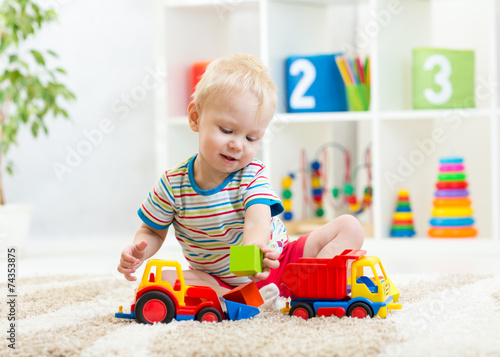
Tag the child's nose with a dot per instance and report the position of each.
(236, 144)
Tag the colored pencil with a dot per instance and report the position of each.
(360, 69)
(350, 70)
(342, 70)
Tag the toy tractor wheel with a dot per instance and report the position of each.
(302, 310)
(359, 310)
(209, 314)
(154, 307)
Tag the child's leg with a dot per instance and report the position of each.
(195, 277)
(344, 232)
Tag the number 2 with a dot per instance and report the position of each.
(441, 78)
(298, 99)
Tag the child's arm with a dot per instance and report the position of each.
(256, 231)
(146, 243)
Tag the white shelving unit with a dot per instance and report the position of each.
(401, 138)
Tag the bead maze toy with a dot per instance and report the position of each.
(315, 194)
(402, 219)
(452, 213)
(158, 301)
(322, 287)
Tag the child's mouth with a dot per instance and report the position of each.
(228, 158)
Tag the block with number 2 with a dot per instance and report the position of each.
(314, 84)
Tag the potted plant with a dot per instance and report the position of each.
(30, 93)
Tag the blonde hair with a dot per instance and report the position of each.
(232, 76)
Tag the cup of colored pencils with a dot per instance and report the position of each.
(356, 78)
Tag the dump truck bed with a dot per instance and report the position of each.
(314, 278)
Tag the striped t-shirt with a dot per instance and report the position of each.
(208, 222)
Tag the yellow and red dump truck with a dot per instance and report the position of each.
(321, 287)
(156, 300)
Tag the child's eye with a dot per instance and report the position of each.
(251, 139)
(225, 131)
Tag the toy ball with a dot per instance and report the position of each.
(287, 182)
(348, 189)
(315, 183)
(288, 216)
(352, 200)
(335, 192)
(315, 165)
(287, 194)
(320, 212)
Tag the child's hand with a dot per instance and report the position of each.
(270, 262)
(131, 259)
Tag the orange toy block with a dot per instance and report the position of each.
(245, 294)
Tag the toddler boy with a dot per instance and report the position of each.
(221, 196)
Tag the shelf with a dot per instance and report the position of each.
(217, 4)
(228, 4)
(399, 137)
(321, 117)
(434, 114)
(432, 246)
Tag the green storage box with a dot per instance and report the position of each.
(443, 78)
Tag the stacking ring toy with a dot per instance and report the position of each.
(453, 202)
(451, 222)
(403, 216)
(452, 176)
(452, 168)
(451, 185)
(401, 234)
(467, 232)
(452, 193)
(451, 160)
(400, 222)
(452, 212)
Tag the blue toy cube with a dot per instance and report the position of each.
(314, 84)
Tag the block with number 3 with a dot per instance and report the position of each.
(443, 78)
(314, 84)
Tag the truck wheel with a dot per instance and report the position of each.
(209, 314)
(302, 310)
(154, 307)
(359, 310)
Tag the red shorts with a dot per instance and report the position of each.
(290, 254)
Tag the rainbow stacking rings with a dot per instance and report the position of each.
(452, 213)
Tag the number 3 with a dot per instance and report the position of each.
(441, 78)
(298, 100)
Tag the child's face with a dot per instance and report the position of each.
(229, 134)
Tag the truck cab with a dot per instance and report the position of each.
(369, 281)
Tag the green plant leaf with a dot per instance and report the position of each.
(10, 167)
(52, 53)
(34, 128)
(38, 57)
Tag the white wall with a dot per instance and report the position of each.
(107, 49)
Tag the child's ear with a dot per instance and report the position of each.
(193, 116)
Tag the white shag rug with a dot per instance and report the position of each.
(442, 315)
